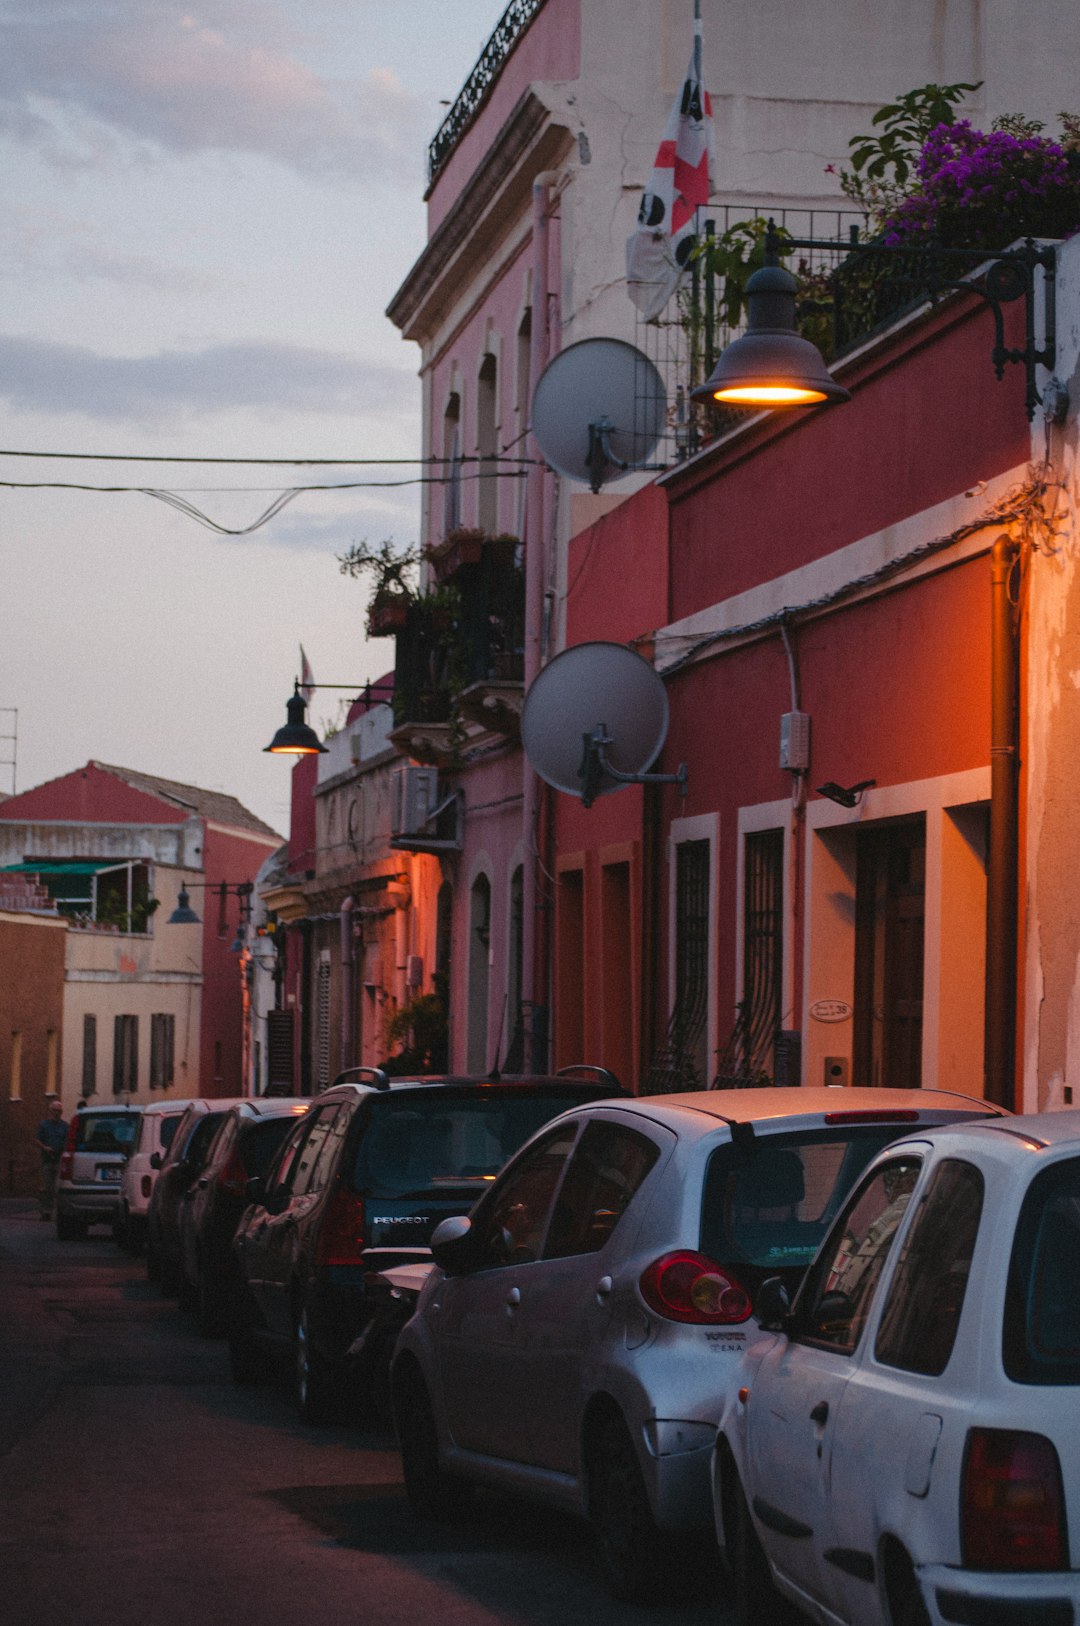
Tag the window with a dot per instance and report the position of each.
(681, 1061)
(1042, 1300)
(89, 1055)
(162, 1049)
(322, 1024)
(281, 1174)
(606, 1170)
(487, 416)
(311, 1169)
(452, 456)
(922, 1311)
(510, 1226)
(125, 1055)
(839, 1289)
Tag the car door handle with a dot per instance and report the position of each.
(820, 1412)
(603, 1287)
(513, 1298)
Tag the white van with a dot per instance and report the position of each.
(99, 1141)
(155, 1133)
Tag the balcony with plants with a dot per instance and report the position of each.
(459, 637)
(930, 200)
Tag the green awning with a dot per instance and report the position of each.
(74, 866)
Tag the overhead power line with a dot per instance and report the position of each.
(276, 462)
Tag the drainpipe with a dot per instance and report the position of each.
(1001, 880)
(348, 982)
(534, 967)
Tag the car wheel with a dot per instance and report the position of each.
(635, 1556)
(432, 1492)
(314, 1378)
(756, 1600)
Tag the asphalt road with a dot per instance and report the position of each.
(138, 1487)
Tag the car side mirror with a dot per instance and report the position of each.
(155, 1160)
(452, 1244)
(773, 1306)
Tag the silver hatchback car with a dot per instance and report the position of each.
(577, 1337)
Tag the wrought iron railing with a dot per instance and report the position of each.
(478, 636)
(508, 30)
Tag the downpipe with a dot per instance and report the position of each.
(1001, 879)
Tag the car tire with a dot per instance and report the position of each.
(314, 1377)
(432, 1492)
(754, 1596)
(637, 1558)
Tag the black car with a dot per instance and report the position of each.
(359, 1186)
(177, 1172)
(209, 1211)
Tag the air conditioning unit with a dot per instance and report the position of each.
(414, 797)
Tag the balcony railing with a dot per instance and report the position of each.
(508, 30)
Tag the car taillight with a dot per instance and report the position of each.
(341, 1238)
(234, 1176)
(1012, 1509)
(687, 1286)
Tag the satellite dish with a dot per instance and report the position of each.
(598, 410)
(595, 719)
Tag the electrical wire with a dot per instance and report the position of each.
(278, 462)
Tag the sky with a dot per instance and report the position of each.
(207, 209)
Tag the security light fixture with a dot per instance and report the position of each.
(771, 365)
(844, 795)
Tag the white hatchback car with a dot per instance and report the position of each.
(905, 1449)
(154, 1134)
(576, 1342)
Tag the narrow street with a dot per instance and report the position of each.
(139, 1487)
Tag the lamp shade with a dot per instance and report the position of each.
(771, 365)
(183, 914)
(294, 737)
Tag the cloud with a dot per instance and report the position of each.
(46, 245)
(225, 77)
(40, 375)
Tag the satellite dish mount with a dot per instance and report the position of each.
(595, 764)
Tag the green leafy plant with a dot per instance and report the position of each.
(884, 161)
(421, 1027)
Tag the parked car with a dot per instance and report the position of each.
(157, 1124)
(358, 1186)
(243, 1148)
(903, 1449)
(582, 1326)
(177, 1171)
(99, 1140)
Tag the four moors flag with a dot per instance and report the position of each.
(658, 250)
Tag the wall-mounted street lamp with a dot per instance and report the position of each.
(295, 737)
(771, 365)
(184, 914)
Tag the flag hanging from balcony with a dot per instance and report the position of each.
(658, 249)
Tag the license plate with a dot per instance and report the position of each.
(109, 1173)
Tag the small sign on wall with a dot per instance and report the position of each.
(830, 1010)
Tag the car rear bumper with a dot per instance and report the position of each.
(680, 1484)
(967, 1598)
(88, 1202)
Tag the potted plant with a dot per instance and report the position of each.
(393, 582)
(464, 545)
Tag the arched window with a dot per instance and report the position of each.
(479, 973)
(487, 445)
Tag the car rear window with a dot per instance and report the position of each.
(768, 1203)
(106, 1132)
(168, 1129)
(423, 1140)
(1041, 1342)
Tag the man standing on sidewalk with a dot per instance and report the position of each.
(51, 1135)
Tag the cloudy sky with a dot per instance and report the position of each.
(207, 208)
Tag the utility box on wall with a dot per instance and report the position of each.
(414, 797)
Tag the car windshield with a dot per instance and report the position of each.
(768, 1203)
(168, 1129)
(1042, 1301)
(419, 1140)
(105, 1132)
